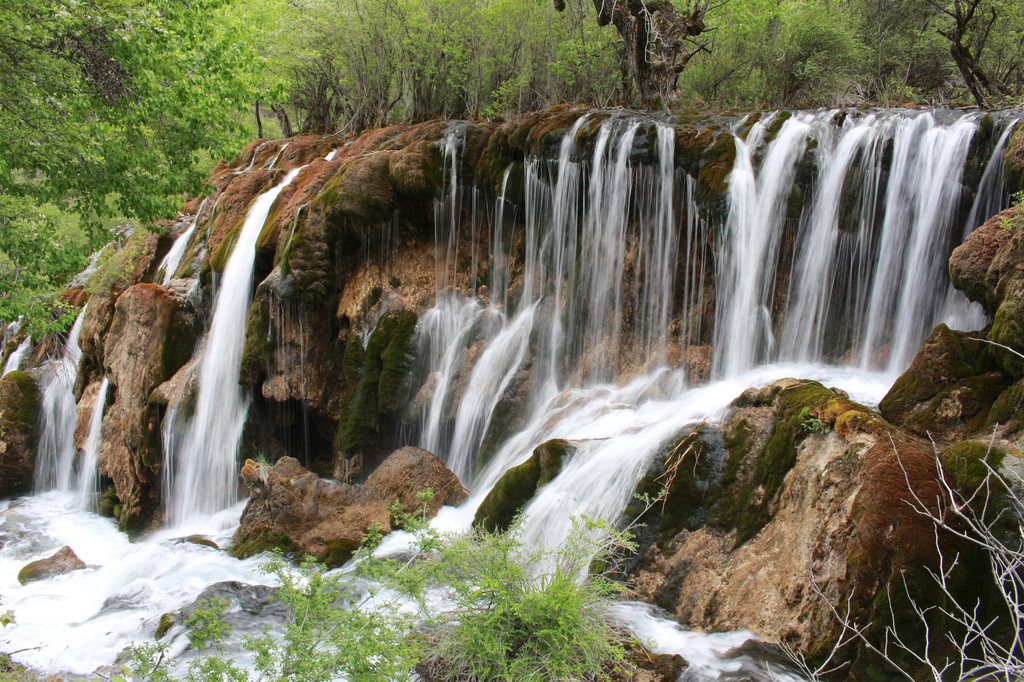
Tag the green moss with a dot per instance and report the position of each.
(108, 502)
(257, 341)
(1008, 330)
(263, 540)
(338, 552)
(960, 358)
(753, 475)
(965, 464)
(1008, 409)
(219, 258)
(377, 392)
(166, 621)
(718, 163)
(1013, 161)
(518, 486)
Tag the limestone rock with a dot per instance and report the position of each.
(19, 407)
(814, 488)
(411, 470)
(64, 561)
(153, 333)
(294, 510)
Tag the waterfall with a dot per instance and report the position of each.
(202, 466)
(19, 353)
(169, 265)
(607, 296)
(55, 458)
(830, 250)
(87, 483)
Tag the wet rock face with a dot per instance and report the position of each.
(410, 471)
(64, 561)
(291, 509)
(19, 408)
(1013, 161)
(815, 488)
(153, 333)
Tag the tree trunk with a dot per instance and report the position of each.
(655, 35)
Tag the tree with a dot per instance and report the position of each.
(969, 26)
(660, 39)
(108, 105)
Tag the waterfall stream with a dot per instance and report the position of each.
(203, 476)
(620, 306)
(14, 360)
(56, 456)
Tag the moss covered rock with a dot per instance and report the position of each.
(377, 377)
(64, 561)
(1013, 161)
(519, 484)
(153, 333)
(19, 409)
(949, 388)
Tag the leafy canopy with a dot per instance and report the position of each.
(107, 107)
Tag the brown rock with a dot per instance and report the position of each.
(971, 262)
(947, 391)
(64, 561)
(153, 333)
(409, 471)
(840, 517)
(294, 510)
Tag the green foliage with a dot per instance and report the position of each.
(118, 97)
(109, 108)
(512, 613)
(39, 252)
(515, 613)
(116, 265)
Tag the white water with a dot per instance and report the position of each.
(55, 458)
(169, 265)
(87, 484)
(14, 360)
(202, 468)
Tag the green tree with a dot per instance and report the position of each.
(107, 107)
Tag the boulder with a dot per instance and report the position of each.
(64, 561)
(410, 471)
(153, 333)
(19, 407)
(293, 510)
(518, 485)
(814, 500)
(989, 268)
(949, 388)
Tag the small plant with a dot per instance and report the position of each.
(811, 423)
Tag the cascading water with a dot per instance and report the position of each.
(802, 276)
(87, 482)
(169, 265)
(55, 459)
(14, 360)
(202, 466)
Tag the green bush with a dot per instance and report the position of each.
(511, 614)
